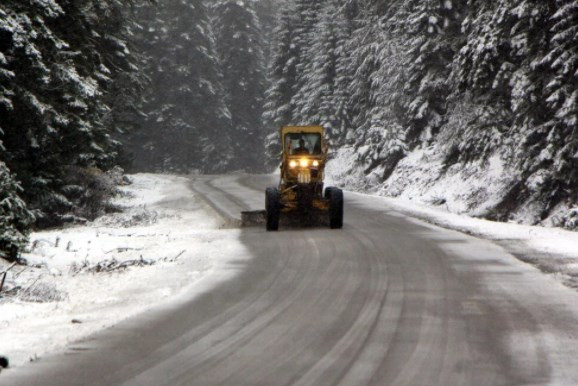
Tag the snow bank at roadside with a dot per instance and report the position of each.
(553, 250)
(473, 189)
(479, 188)
(86, 278)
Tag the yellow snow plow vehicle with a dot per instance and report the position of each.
(300, 192)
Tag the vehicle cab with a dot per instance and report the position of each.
(304, 153)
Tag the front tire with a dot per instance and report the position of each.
(335, 197)
(272, 208)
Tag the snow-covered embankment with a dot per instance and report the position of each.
(75, 283)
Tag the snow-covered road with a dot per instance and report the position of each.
(386, 300)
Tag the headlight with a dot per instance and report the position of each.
(292, 164)
(315, 163)
(304, 162)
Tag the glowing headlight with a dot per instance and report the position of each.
(315, 163)
(292, 164)
(303, 162)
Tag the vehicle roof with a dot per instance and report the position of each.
(300, 129)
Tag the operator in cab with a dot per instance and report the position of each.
(301, 150)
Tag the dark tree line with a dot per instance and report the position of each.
(470, 79)
(203, 107)
(67, 78)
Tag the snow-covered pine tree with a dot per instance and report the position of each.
(241, 61)
(432, 27)
(14, 216)
(267, 12)
(558, 92)
(562, 61)
(345, 15)
(25, 74)
(43, 123)
(81, 76)
(504, 65)
(379, 56)
(282, 80)
(323, 97)
(363, 48)
(114, 24)
(480, 73)
(58, 61)
(307, 13)
(317, 70)
(188, 125)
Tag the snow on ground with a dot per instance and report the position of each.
(421, 176)
(448, 201)
(170, 241)
(75, 283)
(471, 189)
(474, 188)
(339, 171)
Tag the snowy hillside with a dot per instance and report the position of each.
(474, 189)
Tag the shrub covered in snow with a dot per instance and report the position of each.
(14, 216)
(571, 219)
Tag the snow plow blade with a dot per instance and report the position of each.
(253, 218)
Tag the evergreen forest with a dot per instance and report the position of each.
(469, 104)
(411, 92)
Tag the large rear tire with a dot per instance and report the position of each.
(335, 197)
(272, 208)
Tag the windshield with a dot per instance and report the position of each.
(303, 143)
